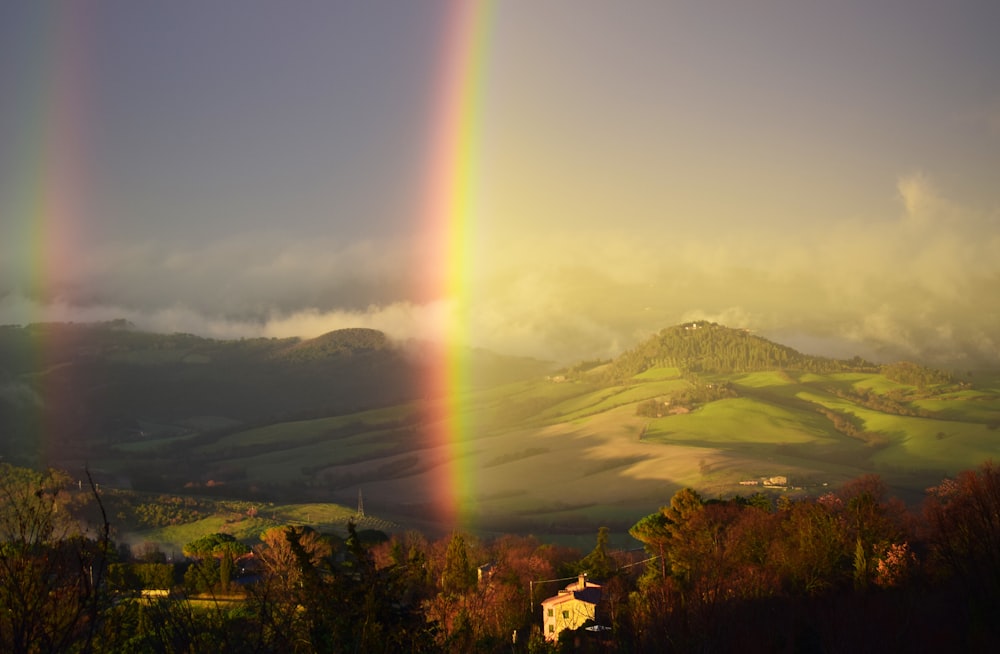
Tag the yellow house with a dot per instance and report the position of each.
(573, 606)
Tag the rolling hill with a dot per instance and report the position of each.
(71, 392)
(546, 452)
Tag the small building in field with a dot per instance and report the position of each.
(570, 608)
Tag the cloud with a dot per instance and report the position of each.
(918, 284)
(919, 198)
(401, 321)
(243, 277)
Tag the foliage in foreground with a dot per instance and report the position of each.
(853, 569)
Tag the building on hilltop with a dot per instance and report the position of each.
(570, 608)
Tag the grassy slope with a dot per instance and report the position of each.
(325, 517)
(548, 457)
(740, 420)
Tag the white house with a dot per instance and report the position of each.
(570, 608)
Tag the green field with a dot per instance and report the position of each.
(740, 421)
(556, 456)
(324, 517)
(291, 433)
(658, 374)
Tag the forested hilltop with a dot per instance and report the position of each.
(707, 347)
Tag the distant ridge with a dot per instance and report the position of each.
(100, 386)
(704, 346)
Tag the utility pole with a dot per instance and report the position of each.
(361, 505)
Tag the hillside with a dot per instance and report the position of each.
(69, 392)
(696, 405)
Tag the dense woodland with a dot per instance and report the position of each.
(851, 570)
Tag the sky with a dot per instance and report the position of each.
(826, 174)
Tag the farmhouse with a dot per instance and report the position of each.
(570, 608)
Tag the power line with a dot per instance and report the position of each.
(531, 586)
(531, 583)
(652, 558)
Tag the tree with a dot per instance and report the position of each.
(813, 548)
(287, 553)
(137, 576)
(874, 522)
(226, 565)
(598, 563)
(214, 560)
(748, 545)
(652, 531)
(458, 575)
(214, 546)
(683, 505)
(295, 601)
(963, 529)
(202, 576)
(50, 572)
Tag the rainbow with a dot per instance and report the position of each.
(450, 217)
(49, 190)
(51, 113)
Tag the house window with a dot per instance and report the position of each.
(550, 613)
(552, 628)
(566, 614)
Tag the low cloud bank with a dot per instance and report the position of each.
(923, 284)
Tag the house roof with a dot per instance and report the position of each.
(582, 583)
(590, 595)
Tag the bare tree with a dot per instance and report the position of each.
(50, 569)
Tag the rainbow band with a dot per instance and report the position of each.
(48, 195)
(52, 107)
(451, 218)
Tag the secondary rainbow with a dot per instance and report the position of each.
(450, 219)
(48, 192)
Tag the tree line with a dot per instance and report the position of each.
(912, 374)
(851, 569)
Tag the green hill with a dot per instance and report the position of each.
(699, 405)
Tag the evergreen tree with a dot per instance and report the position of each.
(598, 563)
(458, 575)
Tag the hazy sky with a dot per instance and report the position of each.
(826, 173)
